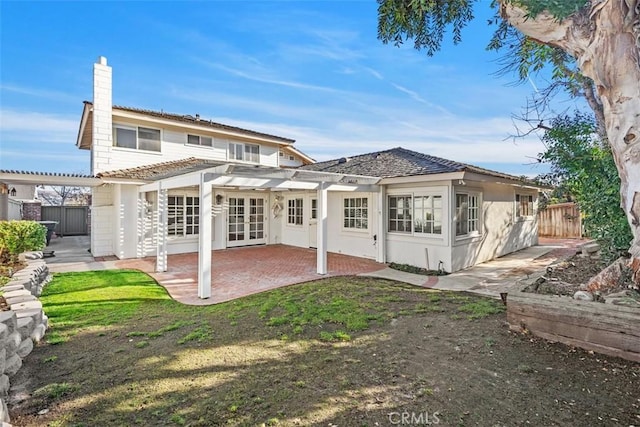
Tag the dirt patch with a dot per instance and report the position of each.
(572, 275)
(435, 356)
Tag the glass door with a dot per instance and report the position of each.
(246, 221)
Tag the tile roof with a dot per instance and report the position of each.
(399, 162)
(58, 174)
(199, 122)
(162, 170)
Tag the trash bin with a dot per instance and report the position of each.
(51, 225)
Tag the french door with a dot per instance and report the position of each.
(246, 221)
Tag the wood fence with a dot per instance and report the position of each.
(562, 220)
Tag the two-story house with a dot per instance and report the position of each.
(178, 183)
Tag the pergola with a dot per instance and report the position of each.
(250, 177)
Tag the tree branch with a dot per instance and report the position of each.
(570, 34)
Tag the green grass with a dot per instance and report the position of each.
(97, 298)
(55, 390)
(481, 308)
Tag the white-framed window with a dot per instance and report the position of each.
(292, 158)
(415, 214)
(427, 214)
(203, 141)
(137, 138)
(314, 208)
(467, 214)
(183, 215)
(244, 152)
(356, 213)
(294, 212)
(400, 213)
(524, 206)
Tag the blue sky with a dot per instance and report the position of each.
(313, 71)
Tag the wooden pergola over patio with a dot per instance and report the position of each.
(258, 178)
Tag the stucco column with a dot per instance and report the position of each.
(321, 250)
(204, 238)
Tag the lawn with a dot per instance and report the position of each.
(341, 351)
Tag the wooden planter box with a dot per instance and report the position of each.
(603, 328)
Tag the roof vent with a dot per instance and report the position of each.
(343, 160)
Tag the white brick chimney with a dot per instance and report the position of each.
(102, 132)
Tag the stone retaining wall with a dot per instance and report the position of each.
(24, 324)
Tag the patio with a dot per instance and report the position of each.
(244, 271)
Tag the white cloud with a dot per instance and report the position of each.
(37, 92)
(24, 126)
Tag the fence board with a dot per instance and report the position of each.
(562, 220)
(72, 220)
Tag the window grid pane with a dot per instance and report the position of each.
(148, 139)
(125, 138)
(462, 214)
(294, 212)
(400, 214)
(356, 213)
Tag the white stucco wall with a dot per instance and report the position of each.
(358, 243)
(102, 221)
(173, 146)
(426, 251)
(502, 232)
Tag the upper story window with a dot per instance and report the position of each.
(204, 141)
(417, 214)
(137, 138)
(356, 213)
(467, 214)
(244, 152)
(524, 206)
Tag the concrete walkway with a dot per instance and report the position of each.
(71, 253)
(492, 277)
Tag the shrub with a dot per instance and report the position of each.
(20, 236)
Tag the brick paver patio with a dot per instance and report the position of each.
(248, 270)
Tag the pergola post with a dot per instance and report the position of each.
(204, 238)
(142, 225)
(321, 250)
(161, 248)
(381, 241)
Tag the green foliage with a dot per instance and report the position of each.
(559, 9)
(427, 21)
(423, 21)
(583, 165)
(416, 270)
(21, 236)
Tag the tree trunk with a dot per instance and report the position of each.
(605, 40)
